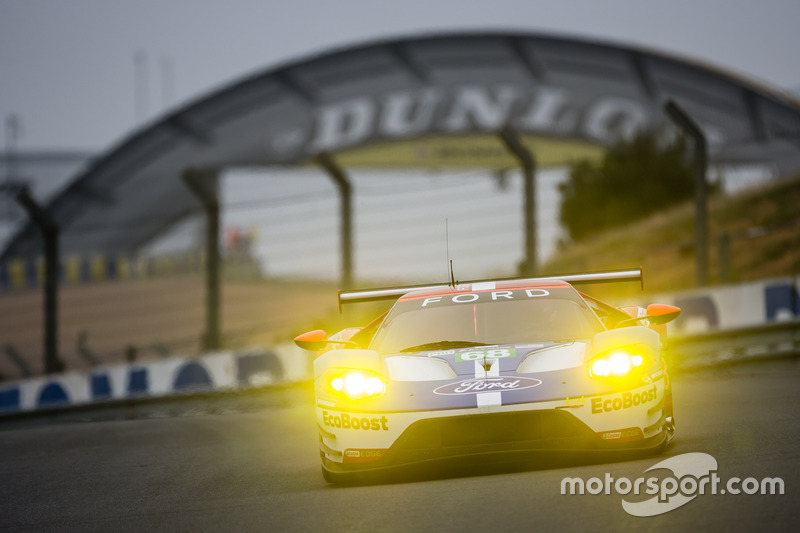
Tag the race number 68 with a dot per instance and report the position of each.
(496, 353)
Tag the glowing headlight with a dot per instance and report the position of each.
(615, 364)
(358, 384)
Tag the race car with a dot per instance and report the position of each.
(490, 367)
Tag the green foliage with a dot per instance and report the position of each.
(636, 178)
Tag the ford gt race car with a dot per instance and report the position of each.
(490, 367)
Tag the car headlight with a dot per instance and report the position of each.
(620, 363)
(356, 384)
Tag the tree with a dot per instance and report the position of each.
(635, 178)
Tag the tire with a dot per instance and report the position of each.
(339, 478)
(669, 429)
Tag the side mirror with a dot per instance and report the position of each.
(656, 314)
(317, 340)
(313, 340)
(659, 314)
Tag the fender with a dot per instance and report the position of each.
(363, 359)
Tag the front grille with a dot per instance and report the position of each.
(537, 429)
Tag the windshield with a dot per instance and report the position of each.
(488, 318)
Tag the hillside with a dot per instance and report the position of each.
(761, 225)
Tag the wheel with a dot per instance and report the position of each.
(669, 430)
(339, 478)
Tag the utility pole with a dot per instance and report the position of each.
(13, 130)
(141, 85)
(167, 82)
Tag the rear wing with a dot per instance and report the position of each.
(390, 293)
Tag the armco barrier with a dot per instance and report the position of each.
(717, 325)
(728, 307)
(764, 342)
(174, 375)
(288, 364)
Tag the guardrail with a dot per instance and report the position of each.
(165, 378)
(288, 364)
(770, 341)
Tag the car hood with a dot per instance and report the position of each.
(525, 358)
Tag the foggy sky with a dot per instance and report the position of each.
(67, 67)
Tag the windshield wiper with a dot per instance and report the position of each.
(442, 345)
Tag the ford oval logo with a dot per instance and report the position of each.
(477, 386)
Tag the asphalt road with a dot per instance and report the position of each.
(252, 464)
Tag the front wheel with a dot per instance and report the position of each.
(669, 430)
(341, 478)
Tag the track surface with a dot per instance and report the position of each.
(253, 465)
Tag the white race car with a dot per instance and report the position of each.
(482, 368)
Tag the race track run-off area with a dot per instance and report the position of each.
(251, 463)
